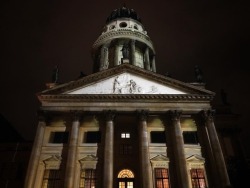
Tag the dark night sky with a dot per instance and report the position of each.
(37, 35)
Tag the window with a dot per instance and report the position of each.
(52, 179)
(93, 137)
(190, 137)
(198, 178)
(125, 135)
(125, 149)
(126, 179)
(161, 178)
(158, 137)
(123, 24)
(88, 178)
(59, 137)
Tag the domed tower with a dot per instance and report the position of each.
(123, 40)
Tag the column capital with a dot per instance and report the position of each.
(174, 114)
(75, 115)
(42, 115)
(132, 41)
(109, 115)
(208, 114)
(142, 114)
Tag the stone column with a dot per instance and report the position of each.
(40, 174)
(108, 151)
(116, 57)
(216, 149)
(132, 46)
(146, 55)
(146, 171)
(178, 150)
(72, 148)
(206, 149)
(35, 154)
(104, 58)
(153, 63)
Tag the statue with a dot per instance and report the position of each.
(55, 75)
(125, 51)
(198, 74)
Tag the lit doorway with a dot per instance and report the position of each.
(126, 179)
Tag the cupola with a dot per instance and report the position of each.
(123, 40)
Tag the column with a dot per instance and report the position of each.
(146, 171)
(132, 46)
(104, 58)
(178, 150)
(153, 63)
(35, 154)
(216, 149)
(108, 151)
(72, 148)
(116, 58)
(146, 55)
(206, 150)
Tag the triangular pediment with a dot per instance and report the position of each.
(126, 83)
(126, 79)
(195, 159)
(159, 158)
(89, 158)
(53, 158)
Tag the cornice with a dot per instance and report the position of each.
(127, 97)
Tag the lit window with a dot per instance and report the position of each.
(125, 135)
(125, 178)
(88, 178)
(52, 179)
(161, 178)
(198, 178)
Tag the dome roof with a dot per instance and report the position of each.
(123, 12)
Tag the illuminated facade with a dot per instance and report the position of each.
(125, 126)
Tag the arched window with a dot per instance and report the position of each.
(126, 173)
(126, 178)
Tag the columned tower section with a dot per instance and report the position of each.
(123, 40)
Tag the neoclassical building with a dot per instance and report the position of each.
(125, 126)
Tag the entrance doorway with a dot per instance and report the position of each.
(125, 179)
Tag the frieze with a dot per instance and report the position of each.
(125, 85)
(112, 34)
